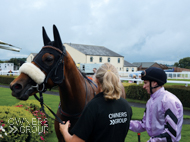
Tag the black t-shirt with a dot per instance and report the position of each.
(104, 120)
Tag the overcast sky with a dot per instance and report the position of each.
(139, 30)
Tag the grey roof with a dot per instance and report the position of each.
(94, 50)
(144, 64)
(127, 64)
(34, 54)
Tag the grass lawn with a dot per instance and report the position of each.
(53, 101)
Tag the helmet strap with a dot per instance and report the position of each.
(152, 87)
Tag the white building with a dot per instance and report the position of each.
(85, 54)
(30, 57)
(6, 66)
(93, 54)
(128, 67)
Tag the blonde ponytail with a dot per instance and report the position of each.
(108, 77)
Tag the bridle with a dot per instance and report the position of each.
(58, 54)
(50, 71)
(53, 72)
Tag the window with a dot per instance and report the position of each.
(127, 69)
(108, 60)
(132, 69)
(100, 59)
(118, 60)
(91, 59)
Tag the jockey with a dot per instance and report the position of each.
(163, 116)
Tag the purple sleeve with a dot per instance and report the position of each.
(138, 126)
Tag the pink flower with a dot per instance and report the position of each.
(43, 122)
(1, 120)
(19, 106)
(36, 111)
(42, 138)
(3, 125)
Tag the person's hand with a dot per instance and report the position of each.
(64, 127)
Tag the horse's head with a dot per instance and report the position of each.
(45, 71)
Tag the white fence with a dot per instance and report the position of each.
(128, 76)
(15, 73)
(178, 75)
(139, 81)
(170, 75)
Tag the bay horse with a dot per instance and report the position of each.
(53, 66)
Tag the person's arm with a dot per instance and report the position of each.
(173, 120)
(138, 126)
(68, 137)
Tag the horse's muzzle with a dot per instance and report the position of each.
(20, 92)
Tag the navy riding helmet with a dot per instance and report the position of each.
(154, 74)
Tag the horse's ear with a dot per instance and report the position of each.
(57, 39)
(45, 36)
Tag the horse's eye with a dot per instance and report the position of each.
(49, 59)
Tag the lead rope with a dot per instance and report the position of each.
(42, 107)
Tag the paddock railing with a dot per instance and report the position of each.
(127, 76)
(14, 72)
(170, 75)
(139, 81)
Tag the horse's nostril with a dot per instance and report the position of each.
(16, 87)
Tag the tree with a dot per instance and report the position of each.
(17, 61)
(183, 63)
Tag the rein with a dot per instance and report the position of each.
(42, 108)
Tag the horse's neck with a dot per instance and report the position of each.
(73, 89)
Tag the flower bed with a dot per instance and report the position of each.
(24, 122)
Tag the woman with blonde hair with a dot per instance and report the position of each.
(107, 116)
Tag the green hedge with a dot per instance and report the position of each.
(6, 79)
(182, 92)
(32, 124)
(137, 92)
(16, 125)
